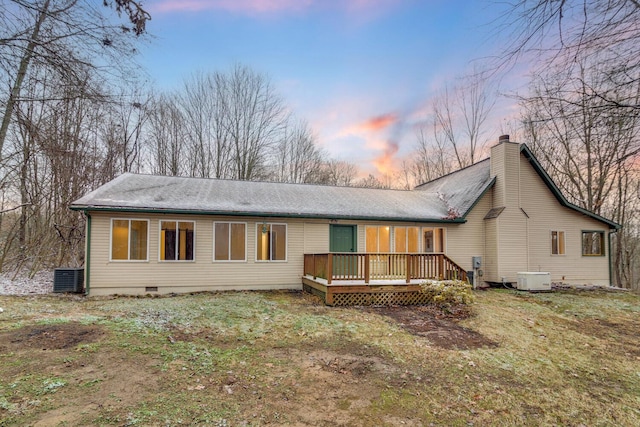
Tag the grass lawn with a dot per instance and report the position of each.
(282, 358)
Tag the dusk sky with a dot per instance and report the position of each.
(361, 72)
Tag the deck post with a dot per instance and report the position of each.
(408, 267)
(329, 268)
(328, 296)
(441, 266)
(367, 268)
(314, 266)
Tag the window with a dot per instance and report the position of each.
(378, 239)
(129, 239)
(593, 243)
(557, 243)
(433, 240)
(381, 239)
(229, 241)
(406, 239)
(176, 240)
(271, 242)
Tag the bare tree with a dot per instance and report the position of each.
(203, 102)
(123, 132)
(339, 172)
(582, 115)
(256, 117)
(53, 162)
(297, 156)
(459, 115)
(606, 33)
(590, 150)
(231, 124)
(430, 158)
(165, 137)
(372, 182)
(583, 144)
(59, 35)
(453, 137)
(57, 62)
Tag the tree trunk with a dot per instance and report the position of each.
(22, 71)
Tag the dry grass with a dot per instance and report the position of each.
(566, 358)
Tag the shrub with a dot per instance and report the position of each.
(447, 292)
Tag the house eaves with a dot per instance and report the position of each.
(96, 208)
(177, 195)
(556, 191)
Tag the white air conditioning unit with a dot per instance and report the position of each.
(534, 281)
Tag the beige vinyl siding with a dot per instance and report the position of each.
(316, 237)
(303, 236)
(505, 167)
(512, 175)
(508, 243)
(512, 244)
(362, 236)
(519, 239)
(467, 240)
(132, 277)
(546, 215)
(497, 169)
(490, 260)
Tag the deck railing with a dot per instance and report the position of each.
(381, 266)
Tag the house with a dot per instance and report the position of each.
(171, 234)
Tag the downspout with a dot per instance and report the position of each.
(87, 260)
(612, 231)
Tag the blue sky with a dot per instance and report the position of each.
(361, 72)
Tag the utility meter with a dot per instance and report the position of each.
(476, 261)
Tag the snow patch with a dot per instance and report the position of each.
(40, 283)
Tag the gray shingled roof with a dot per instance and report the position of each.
(149, 193)
(461, 189)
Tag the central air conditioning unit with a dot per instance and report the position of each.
(68, 280)
(534, 281)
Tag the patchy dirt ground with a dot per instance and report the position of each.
(286, 385)
(438, 326)
(45, 358)
(50, 337)
(271, 359)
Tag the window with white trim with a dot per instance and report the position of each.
(129, 239)
(271, 242)
(177, 240)
(229, 241)
(557, 242)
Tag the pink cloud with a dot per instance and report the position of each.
(378, 123)
(386, 162)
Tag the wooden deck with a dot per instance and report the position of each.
(379, 292)
(343, 279)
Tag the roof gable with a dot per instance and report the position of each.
(524, 150)
(462, 189)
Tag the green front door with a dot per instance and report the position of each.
(342, 238)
